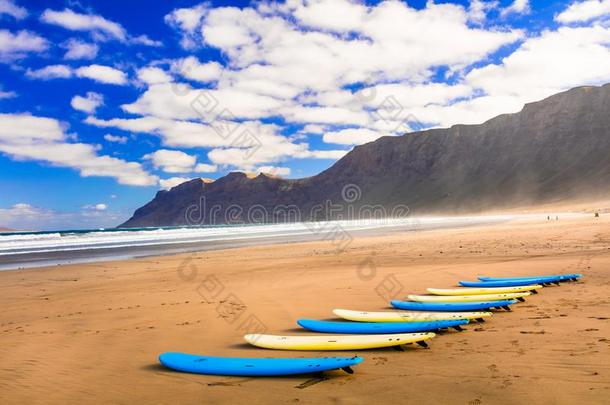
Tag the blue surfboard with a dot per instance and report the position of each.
(561, 277)
(515, 283)
(191, 363)
(451, 306)
(378, 327)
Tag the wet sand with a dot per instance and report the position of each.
(91, 333)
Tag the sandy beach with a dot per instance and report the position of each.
(92, 333)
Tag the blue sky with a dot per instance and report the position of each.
(103, 103)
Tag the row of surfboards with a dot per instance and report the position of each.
(414, 322)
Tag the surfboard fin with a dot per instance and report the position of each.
(480, 320)
(506, 307)
(520, 299)
(534, 291)
(399, 348)
(423, 344)
(348, 370)
(458, 328)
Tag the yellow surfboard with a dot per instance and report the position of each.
(339, 342)
(482, 291)
(467, 298)
(404, 316)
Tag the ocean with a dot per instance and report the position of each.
(36, 249)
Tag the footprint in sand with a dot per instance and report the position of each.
(506, 384)
(475, 401)
(493, 368)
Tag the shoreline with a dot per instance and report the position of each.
(340, 234)
(93, 332)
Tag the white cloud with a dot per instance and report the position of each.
(352, 136)
(84, 22)
(314, 129)
(517, 7)
(96, 207)
(190, 68)
(324, 154)
(295, 60)
(7, 94)
(333, 15)
(144, 40)
(286, 59)
(27, 217)
(325, 115)
(172, 161)
(80, 50)
(233, 150)
(274, 170)
(101, 28)
(98, 73)
(10, 8)
(25, 128)
(188, 22)
(89, 103)
(153, 75)
(584, 11)
(205, 168)
(166, 184)
(169, 101)
(22, 216)
(50, 72)
(116, 139)
(27, 137)
(19, 45)
(478, 9)
(102, 74)
(550, 63)
(394, 46)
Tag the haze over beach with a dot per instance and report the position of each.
(305, 201)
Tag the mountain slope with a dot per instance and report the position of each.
(554, 149)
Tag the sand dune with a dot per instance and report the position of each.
(91, 333)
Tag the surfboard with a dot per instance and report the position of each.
(451, 306)
(402, 316)
(561, 277)
(487, 284)
(192, 363)
(467, 298)
(378, 327)
(337, 342)
(483, 290)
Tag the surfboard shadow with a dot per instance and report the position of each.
(154, 367)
